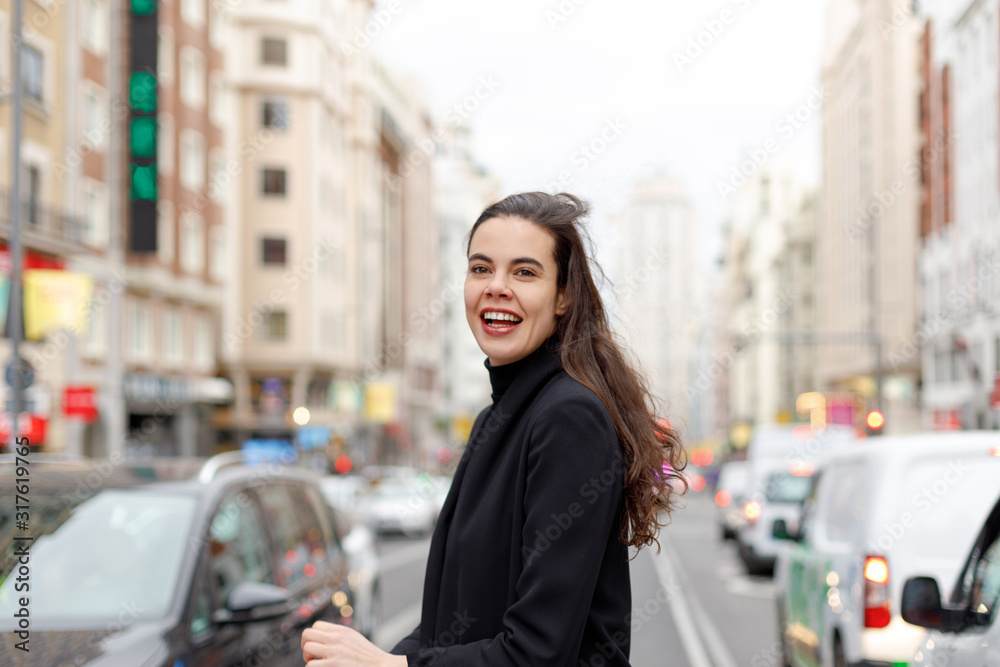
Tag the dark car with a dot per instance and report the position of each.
(168, 563)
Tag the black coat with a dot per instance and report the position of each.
(525, 566)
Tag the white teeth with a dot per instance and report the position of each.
(490, 315)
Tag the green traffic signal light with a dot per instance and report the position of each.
(143, 137)
(143, 7)
(144, 182)
(142, 92)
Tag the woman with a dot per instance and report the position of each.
(528, 565)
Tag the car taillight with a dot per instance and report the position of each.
(876, 592)
(751, 510)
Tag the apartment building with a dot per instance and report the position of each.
(958, 335)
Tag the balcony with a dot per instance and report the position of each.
(46, 229)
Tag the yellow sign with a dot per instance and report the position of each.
(55, 300)
(380, 402)
(461, 427)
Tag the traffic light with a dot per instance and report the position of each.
(874, 421)
(142, 100)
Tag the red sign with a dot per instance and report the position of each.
(995, 395)
(80, 402)
(29, 426)
(947, 420)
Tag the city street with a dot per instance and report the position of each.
(693, 605)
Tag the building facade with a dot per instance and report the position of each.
(959, 329)
(658, 302)
(462, 190)
(869, 206)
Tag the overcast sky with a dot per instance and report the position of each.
(623, 74)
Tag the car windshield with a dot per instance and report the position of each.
(783, 487)
(113, 555)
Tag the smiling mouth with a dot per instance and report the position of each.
(501, 320)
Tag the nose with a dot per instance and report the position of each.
(498, 286)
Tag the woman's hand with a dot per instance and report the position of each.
(329, 645)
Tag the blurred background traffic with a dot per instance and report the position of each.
(236, 248)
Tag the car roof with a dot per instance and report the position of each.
(174, 474)
(923, 445)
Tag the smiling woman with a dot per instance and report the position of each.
(566, 469)
(511, 296)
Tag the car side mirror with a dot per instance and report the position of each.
(780, 531)
(251, 601)
(921, 605)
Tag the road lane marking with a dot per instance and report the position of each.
(391, 631)
(680, 610)
(713, 638)
(412, 553)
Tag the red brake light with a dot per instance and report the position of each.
(877, 611)
(723, 498)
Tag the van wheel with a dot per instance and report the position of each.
(838, 653)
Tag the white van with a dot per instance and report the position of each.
(880, 511)
(965, 632)
(780, 463)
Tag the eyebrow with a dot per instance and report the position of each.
(519, 260)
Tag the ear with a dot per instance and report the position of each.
(561, 302)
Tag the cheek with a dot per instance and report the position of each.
(471, 298)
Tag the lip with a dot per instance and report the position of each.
(498, 331)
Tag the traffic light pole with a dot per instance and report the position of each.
(14, 309)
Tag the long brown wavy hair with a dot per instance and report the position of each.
(590, 354)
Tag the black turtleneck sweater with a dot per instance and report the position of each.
(525, 566)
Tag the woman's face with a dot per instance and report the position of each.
(511, 297)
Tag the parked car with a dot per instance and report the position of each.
(170, 562)
(730, 495)
(402, 505)
(348, 492)
(364, 574)
(880, 512)
(780, 459)
(783, 489)
(965, 632)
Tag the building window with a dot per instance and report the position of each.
(140, 347)
(276, 114)
(32, 69)
(193, 12)
(165, 143)
(94, 131)
(203, 348)
(217, 246)
(217, 100)
(275, 182)
(165, 55)
(95, 340)
(218, 182)
(173, 338)
(192, 77)
(273, 251)
(95, 211)
(275, 325)
(216, 26)
(192, 162)
(274, 51)
(192, 243)
(95, 36)
(165, 238)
